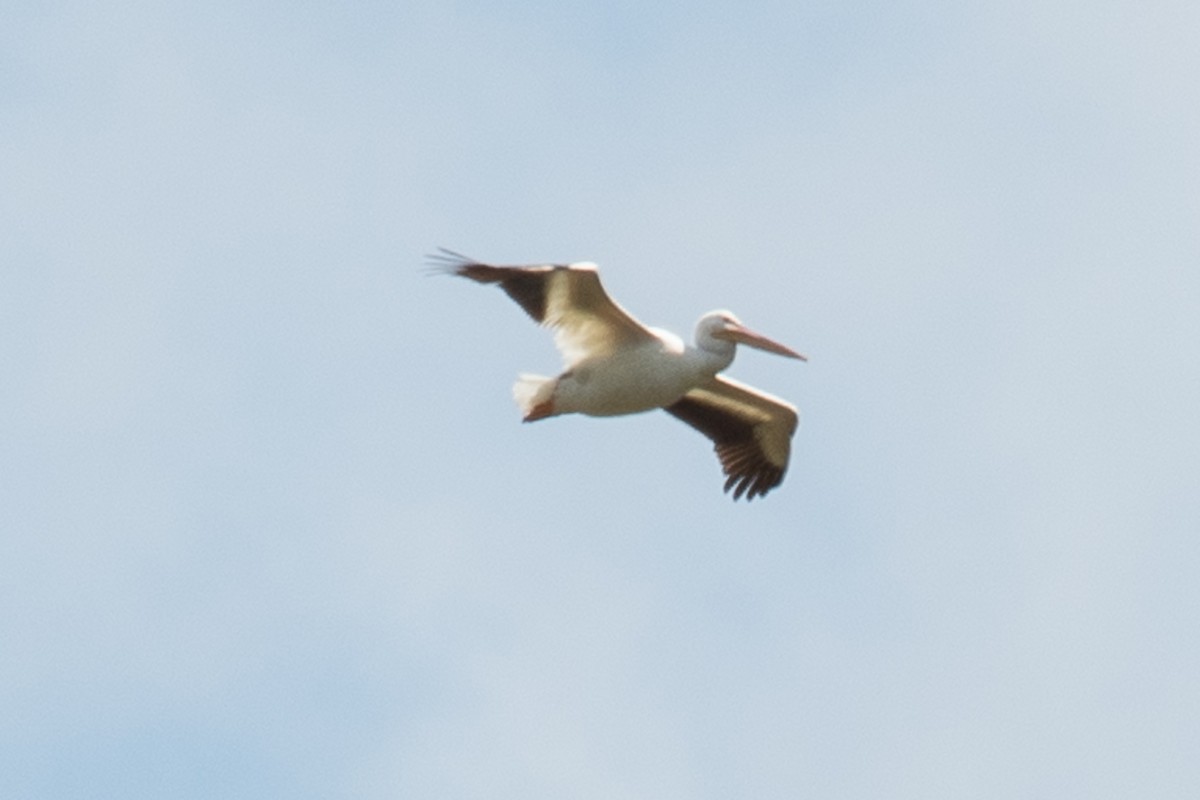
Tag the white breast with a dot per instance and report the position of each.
(631, 380)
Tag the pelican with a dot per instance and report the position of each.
(616, 365)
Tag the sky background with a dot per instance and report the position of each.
(272, 527)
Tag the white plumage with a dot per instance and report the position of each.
(615, 365)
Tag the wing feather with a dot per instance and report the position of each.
(751, 432)
(567, 298)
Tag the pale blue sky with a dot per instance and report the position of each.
(272, 527)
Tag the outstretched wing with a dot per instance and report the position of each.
(567, 298)
(751, 431)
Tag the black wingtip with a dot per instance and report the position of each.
(446, 262)
(753, 484)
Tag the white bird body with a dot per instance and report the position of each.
(616, 366)
(650, 375)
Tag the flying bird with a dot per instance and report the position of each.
(616, 365)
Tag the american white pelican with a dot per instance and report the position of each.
(616, 365)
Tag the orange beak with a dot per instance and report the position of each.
(740, 333)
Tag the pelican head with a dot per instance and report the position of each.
(718, 330)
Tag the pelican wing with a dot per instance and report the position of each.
(751, 431)
(567, 298)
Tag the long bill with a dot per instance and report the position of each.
(740, 333)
